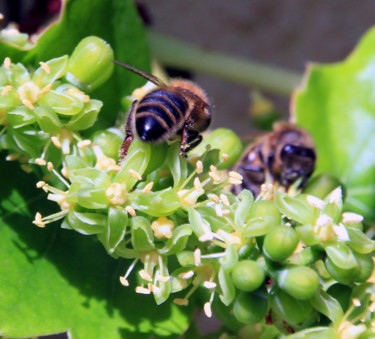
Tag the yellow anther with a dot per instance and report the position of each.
(163, 228)
(181, 302)
(148, 187)
(135, 174)
(84, 143)
(45, 67)
(124, 281)
(7, 62)
(131, 211)
(38, 220)
(6, 90)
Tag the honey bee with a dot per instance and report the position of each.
(181, 108)
(282, 156)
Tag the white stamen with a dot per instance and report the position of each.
(323, 220)
(199, 166)
(84, 143)
(351, 218)
(341, 231)
(142, 290)
(207, 309)
(224, 199)
(56, 142)
(148, 187)
(6, 90)
(209, 284)
(186, 275)
(7, 62)
(356, 302)
(315, 202)
(131, 211)
(335, 196)
(40, 161)
(45, 67)
(197, 257)
(135, 174)
(144, 275)
(235, 175)
(124, 281)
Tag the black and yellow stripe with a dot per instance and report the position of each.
(160, 113)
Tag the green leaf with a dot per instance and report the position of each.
(54, 280)
(327, 305)
(341, 255)
(337, 106)
(359, 242)
(157, 204)
(178, 241)
(115, 229)
(228, 291)
(137, 160)
(142, 236)
(177, 165)
(57, 68)
(87, 223)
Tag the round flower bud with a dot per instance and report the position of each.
(90, 64)
(280, 243)
(250, 308)
(226, 141)
(247, 275)
(300, 282)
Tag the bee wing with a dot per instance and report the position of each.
(143, 74)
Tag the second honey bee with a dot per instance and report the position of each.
(181, 108)
(282, 156)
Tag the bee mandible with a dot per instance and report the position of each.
(181, 108)
(282, 156)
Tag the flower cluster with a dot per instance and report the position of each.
(43, 111)
(289, 261)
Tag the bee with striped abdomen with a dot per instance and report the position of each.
(181, 108)
(282, 156)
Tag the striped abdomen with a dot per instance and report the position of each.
(159, 114)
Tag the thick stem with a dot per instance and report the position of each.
(177, 53)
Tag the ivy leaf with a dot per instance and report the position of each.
(55, 280)
(337, 106)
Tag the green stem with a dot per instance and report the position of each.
(177, 53)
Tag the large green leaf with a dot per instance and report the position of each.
(54, 280)
(117, 22)
(337, 105)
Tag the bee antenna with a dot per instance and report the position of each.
(143, 74)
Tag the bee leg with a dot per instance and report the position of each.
(194, 143)
(184, 139)
(129, 133)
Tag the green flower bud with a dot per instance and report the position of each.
(109, 141)
(21, 116)
(280, 243)
(264, 217)
(296, 208)
(365, 265)
(227, 142)
(87, 117)
(90, 64)
(50, 71)
(61, 103)
(342, 275)
(322, 185)
(250, 308)
(300, 282)
(48, 120)
(248, 275)
(291, 310)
